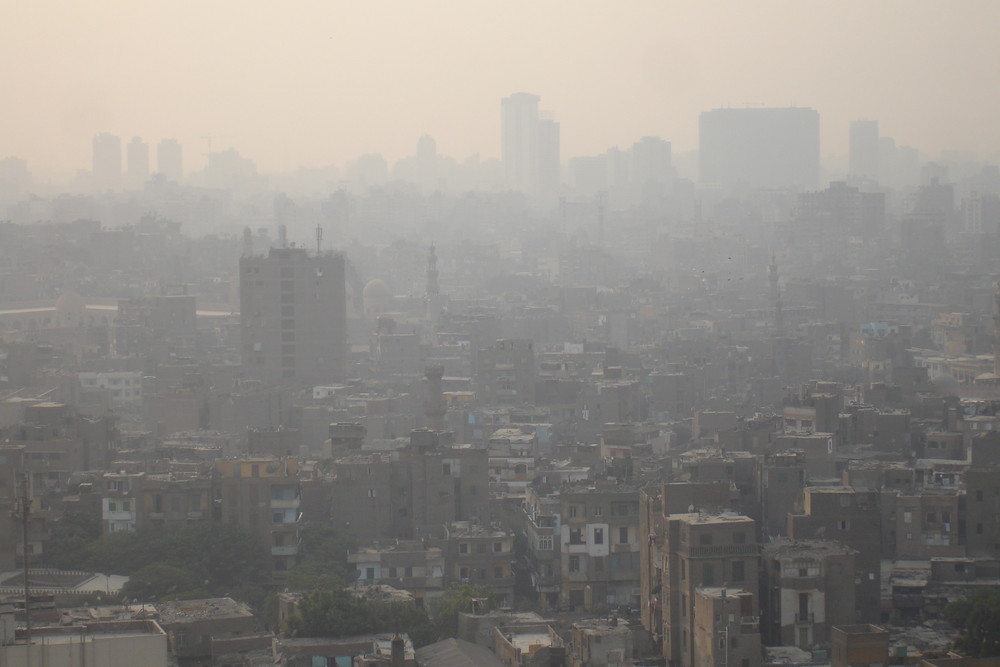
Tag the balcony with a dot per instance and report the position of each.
(805, 618)
(724, 550)
(118, 516)
(291, 550)
(283, 504)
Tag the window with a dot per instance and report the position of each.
(931, 517)
(738, 570)
(598, 511)
(545, 543)
(598, 536)
(480, 548)
(707, 574)
(705, 539)
(392, 573)
(907, 517)
(572, 511)
(575, 536)
(371, 493)
(463, 548)
(574, 564)
(463, 573)
(684, 570)
(623, 535)
(408, 572)
(497, 547)
(446, 469)
(843, 524)
(498, 572)
(369, 573)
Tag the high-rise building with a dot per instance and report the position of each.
(136, 163)
(106, 161)
(759, 147)
(529, 146)
(169, 160)
(864, 151)
(293, 317)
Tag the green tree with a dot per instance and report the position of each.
(226, 559)
(162, 581)
(324, 563)
(338, 613)
(70, 538)
(457, 599)
(978, 616)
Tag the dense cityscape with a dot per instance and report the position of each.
(736, 405)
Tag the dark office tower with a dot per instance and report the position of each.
(136, 163)
(864, 150)
(107, 162)
(759, 148)
(169, 160)
(293, 318)
(530, 147)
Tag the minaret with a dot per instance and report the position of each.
(434, 404)
(247, 242)
(433, 289)
(779, 320)
(996, 333)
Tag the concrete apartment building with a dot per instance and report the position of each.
(852, 517)
(263, 496)
(505, 373)
(726, 628)
(691, 552)
(411, 491)
(483, 556)
(293, 317)
(405, 564)
(807, 587)
(599, 546)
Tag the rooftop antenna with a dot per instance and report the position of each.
(319, 240)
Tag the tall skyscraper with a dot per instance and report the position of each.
(293, 317)
(169, 160)
(106, 161)
(529, 146)
(759, 147)
(136, 163)
(864, 151)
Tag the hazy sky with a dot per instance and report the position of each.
(316, 82)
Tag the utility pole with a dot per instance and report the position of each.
(22, 511)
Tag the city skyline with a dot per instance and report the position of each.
(328, 83)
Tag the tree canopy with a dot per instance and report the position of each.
(338, 613)
(203, 559)
(978, 615)
(324, 563)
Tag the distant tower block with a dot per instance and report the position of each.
(434, 406)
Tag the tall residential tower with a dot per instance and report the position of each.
(293, 317)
